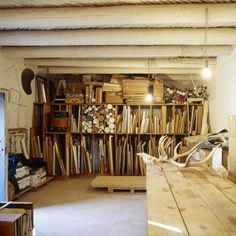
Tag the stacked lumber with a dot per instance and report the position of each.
(128, 121)
(53, 157)
(145, 121)
(98, 119)
(180, 122)
(93, 92)
(36, 147)
(195, 119)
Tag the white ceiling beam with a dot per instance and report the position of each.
(61, 3)
(177, 36)
(184, 15)
(113, 70)
(113, 51)
(123, 63)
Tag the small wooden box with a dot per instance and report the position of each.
(113, 98)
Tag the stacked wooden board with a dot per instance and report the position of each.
(190, 201)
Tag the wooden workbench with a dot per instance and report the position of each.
(190, 201)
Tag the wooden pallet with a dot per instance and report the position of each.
(130, 183)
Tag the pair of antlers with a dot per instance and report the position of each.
(164, 144)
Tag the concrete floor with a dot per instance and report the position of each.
(72, 208)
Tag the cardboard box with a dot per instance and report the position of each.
(35, 180)
(21, 172)
(24, 183)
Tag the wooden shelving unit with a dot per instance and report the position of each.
(16, 218)
(98, 140)
(48, 179)
(71, 142)
(21, 193)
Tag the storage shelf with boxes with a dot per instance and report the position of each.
(110, 121)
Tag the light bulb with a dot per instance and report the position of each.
(206, 72)
(149, 97)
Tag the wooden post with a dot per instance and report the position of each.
(232, 148)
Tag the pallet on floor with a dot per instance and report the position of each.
(131, 183)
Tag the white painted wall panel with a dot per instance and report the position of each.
(20, 105)
(223, 92)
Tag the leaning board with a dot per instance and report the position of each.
(131, 183)
(190, 201)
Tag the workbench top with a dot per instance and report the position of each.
(189, 201)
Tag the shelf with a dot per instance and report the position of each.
(48, 179)
(21, 193)
(40, 103)
(115, 104)
(79, 133)
(51, 132)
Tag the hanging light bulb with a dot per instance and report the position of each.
(206, 71)
(149, 97)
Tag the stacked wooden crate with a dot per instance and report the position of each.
(113, 90)
(158, 90)
(135, 90)
(74, 92)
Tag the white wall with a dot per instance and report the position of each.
(19, 105)
(222, 89)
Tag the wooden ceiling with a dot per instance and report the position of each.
(84, 36)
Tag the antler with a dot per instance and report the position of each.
(148, 159)
(177, 156)
(206, 159)
(164, 144)
(187, 163)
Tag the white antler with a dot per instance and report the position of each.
(148, 159)
(177, 156)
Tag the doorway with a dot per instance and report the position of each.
(3, 164)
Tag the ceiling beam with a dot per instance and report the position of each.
(157, 16)
(123, 63)
(113, 51)
(61, 3)
(177, 36)
(114, 70)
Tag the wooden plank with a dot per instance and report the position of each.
(224, 185)
(164, 217)
(199, 219)
(217, 202)
(119, 182)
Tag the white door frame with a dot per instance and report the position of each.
(5, 93)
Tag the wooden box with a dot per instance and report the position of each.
(113, 98)
(158, 91)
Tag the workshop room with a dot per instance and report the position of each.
(117, 117)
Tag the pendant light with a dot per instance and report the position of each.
(206, 71)
(149, 96)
